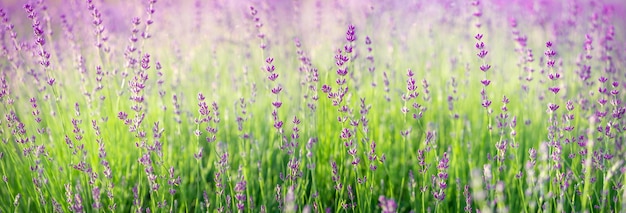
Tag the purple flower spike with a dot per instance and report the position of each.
(444, 162)
(326, 88)
(602, 79)
(270, 68)
(482, 54)
(278, 124)
(570, 106)
(478, 36)
(485, 67)
(387, 205)
(272, 77)
(410, 73)
(486, 103)
(145, 61)
(614, 92)
(350, 36)
(345, 133)
(554, 90)
(480, 45)
(342, 72)
(276, 90)
(553, 107)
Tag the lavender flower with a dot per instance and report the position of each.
(335, 176)
(440, 184)
(482, 52)
(387, 205)
(468, 199)
(240, 189)
(96, 196)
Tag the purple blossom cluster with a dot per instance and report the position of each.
(342, 59)
(439, 181)
(40, 40)
(412, 94)
(387, 205)
(482, 52)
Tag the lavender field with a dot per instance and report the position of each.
(313, 106)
